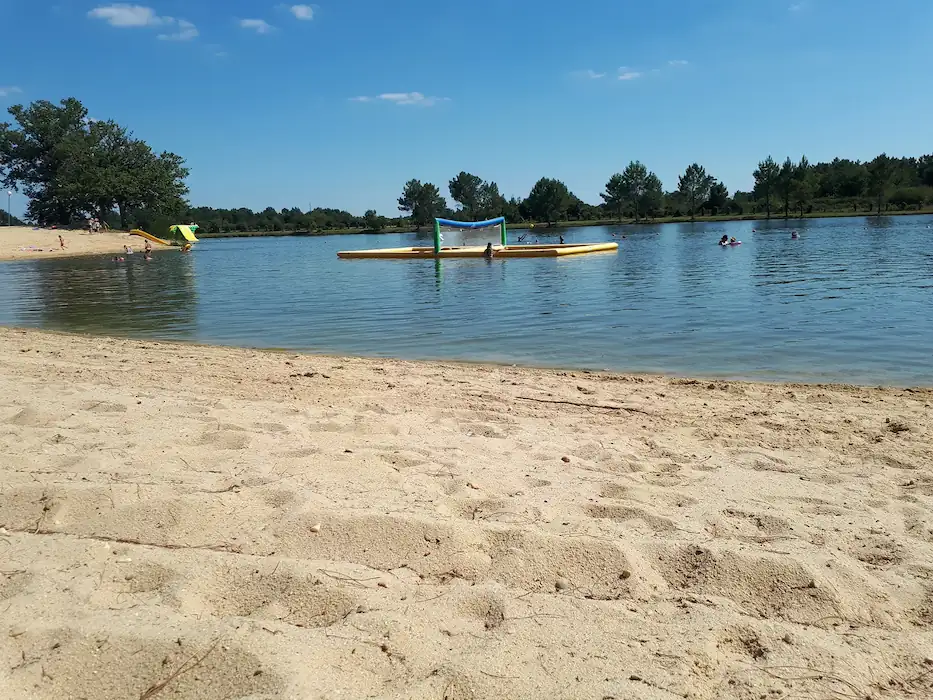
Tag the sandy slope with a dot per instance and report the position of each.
(24, 242)
(195, 522)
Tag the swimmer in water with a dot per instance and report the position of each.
(562, 240)
(488, 253)
(794, 235)
(732, 240)
(724, 240)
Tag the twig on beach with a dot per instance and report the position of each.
(605, 407)
(186, 667)
(815, 675)
(348, 579)
(493, 675)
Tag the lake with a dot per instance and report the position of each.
(851, 300)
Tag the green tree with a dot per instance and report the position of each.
(881, 172)
(785, 184)
(548, 200)
(373, 221)
(925, 170)
(635, 185)
(766, 177)
(614, 196)
(33, 154)
(70, 166)
(695, 185)
(651, 201)
(466, 190)
(491, 203)
(803, 185)
(718, 198)
(422, 201)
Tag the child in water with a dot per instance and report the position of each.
(724, 240)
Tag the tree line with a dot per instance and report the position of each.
(790, 188)
(72, 168)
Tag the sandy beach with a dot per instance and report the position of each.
(201, 522)
(25, 243)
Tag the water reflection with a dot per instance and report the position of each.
(134, 297)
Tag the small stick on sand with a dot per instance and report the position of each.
(586, 405)
(186, 667)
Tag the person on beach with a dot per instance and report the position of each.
(488, 253)
(61, 242)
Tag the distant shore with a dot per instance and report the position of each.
(519, 226)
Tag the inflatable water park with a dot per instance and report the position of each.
(178, 235)
(474, 239)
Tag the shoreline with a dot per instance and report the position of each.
(309, 525)
(526, 226)
(16, 241)
(503, 364)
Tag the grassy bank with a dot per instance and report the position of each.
(575, 224)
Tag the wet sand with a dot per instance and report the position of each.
(204, 522)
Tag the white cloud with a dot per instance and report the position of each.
(628, 74)
(184, 31)
(678, 63)
(403, 98)
(588, 74)
(123, 15)
(128, 16)
(260, 26)
(9, 91)
(797, 6)
(305, 12)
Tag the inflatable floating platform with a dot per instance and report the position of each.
(508, 251)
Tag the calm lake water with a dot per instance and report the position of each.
(850, 300)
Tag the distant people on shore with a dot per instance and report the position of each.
(61, 242)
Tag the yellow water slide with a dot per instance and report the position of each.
(185, 232)
(148, 236)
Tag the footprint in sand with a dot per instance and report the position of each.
(623, 514)
(224, 440)
(103, 407)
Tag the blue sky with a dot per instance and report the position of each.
(339, 103)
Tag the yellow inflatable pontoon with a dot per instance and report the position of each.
(508, 251)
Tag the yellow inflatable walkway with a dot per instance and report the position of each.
(509, 251)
